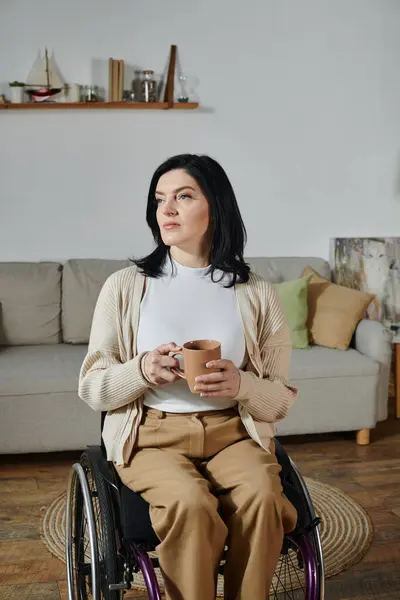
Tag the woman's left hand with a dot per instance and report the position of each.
(224, 384)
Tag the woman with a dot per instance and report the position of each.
(205, 462)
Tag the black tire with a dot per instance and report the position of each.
(296, 576)
(105, 528)
(312, 535)
(82, 558)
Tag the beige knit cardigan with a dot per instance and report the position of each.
(111, 379)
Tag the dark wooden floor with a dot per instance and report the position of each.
(370, 474)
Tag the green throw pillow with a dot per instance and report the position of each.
(293, 295)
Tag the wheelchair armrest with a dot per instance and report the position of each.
(292, 489)
(283, 459)
(105, 468)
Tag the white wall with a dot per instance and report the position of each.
(303, 111)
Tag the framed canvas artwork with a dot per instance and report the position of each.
(371, 265)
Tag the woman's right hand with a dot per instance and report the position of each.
(156, 365)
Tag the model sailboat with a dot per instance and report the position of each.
(44, 80)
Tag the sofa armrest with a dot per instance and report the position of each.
(373, 339)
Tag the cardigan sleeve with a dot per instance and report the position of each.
(269, 397)
(105, 382)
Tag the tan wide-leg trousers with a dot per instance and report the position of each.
(208, 484)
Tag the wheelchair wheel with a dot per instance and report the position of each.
(90, 536)
(313, 536)
(300, 572)
(296, 577)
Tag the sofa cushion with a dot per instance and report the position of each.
(40, 369)
(280, 269)
(334, 311)
(293, 295)
(81, 285)
(30, 303)
(318, 362)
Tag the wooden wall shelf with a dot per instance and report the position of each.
(100, 106)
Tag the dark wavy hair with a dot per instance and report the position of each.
(227, 230)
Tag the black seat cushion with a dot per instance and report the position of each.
(135, 517)
(135, 514)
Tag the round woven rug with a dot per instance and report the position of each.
(346, 530)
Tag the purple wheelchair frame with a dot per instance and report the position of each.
(299, 541)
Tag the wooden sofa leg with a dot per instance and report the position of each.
(363, 437)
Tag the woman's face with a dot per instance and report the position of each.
(183, 212)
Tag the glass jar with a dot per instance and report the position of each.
(90, 93)
(148, 87)
(183, 89)
(186, 88)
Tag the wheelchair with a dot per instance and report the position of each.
(108, 536)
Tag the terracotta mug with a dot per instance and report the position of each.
(196, 355)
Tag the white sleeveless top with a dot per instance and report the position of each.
(183, 305)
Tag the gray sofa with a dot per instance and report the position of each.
(45, 319)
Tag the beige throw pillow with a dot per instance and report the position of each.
(334, 311)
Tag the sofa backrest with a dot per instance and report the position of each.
(279, 269)
(30, 303)
(81, 285)
(46, 303)
(84, 278)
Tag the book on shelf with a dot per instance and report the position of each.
(116, 68)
